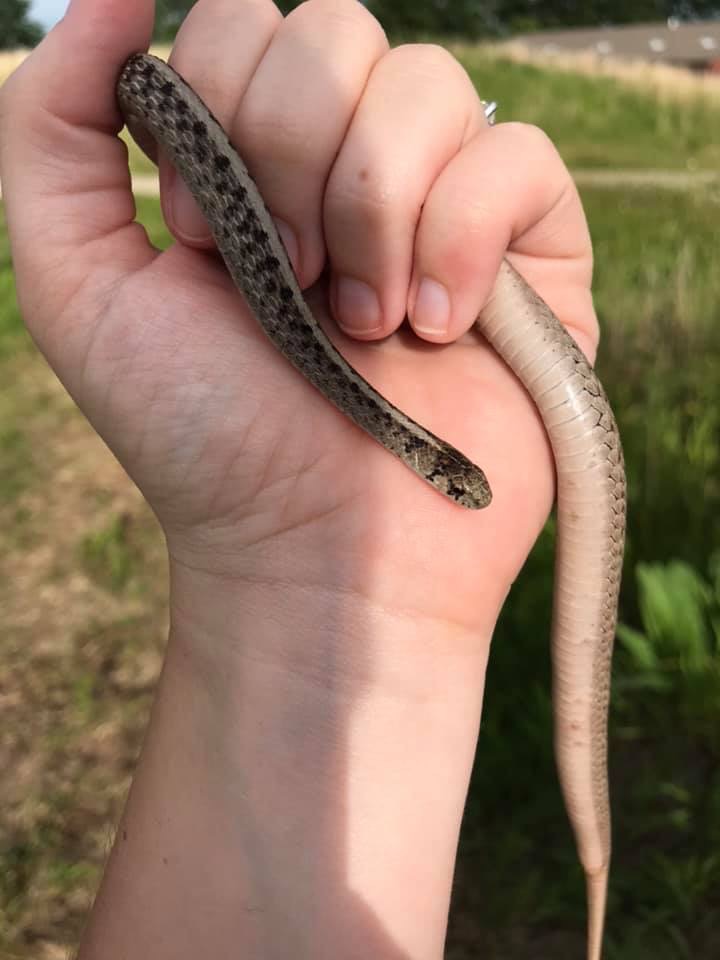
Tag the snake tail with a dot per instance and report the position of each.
(591, 501)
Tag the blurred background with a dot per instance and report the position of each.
(629, 90)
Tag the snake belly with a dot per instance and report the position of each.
(591, 506)
(534, 344)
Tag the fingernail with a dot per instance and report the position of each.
(357, 306)
(287, 235)
(432, 308)
(188, 217)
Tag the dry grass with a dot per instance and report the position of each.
(11, 59)
(84, 613)
(665, 82)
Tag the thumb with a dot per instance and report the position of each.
(64, 172)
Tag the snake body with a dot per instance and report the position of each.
(535, 345)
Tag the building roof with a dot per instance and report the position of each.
(689, 44)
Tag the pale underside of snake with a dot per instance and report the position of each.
(536, 347)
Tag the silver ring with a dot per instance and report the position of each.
(490, 108)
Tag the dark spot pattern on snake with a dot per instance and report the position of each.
(272, 292)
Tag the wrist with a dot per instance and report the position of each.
(317, 748)
(333, 642)
(353, 730)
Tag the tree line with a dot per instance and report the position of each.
(470, 19)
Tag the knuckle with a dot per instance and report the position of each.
(227, 10)
(262, 14)
(277, 133)
(532, 139)
(343, 16)
(426, 61)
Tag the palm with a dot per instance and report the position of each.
(215, 426)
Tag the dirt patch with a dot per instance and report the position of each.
(83, 612)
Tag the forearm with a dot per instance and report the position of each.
(301, 784)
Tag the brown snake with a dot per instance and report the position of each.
(535, 345)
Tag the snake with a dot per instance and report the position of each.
(522, 329)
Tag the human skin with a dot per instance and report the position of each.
(304, 773)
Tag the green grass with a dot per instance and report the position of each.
(16, 462)
(66, 876)
(107, 555)
(139, 163)
(150, 215)
(11, 326)
(599, 121)
(658, 297)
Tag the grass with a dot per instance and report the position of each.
(600, 121)
(657, 283)
(15, 462)
(11, 326)
(658, 297)
(10, 60)
(105, 555)
(668, 84)
(109, 556)
(82, 595)
(78, 550)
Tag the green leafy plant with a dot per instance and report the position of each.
(677, 653)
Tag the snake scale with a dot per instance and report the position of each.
(535, 345)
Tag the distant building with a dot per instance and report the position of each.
(691, 45)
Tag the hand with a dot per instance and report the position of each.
(379, 164)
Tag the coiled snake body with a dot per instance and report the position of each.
(535, 345)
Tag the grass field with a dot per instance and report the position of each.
(602, 121)
(82, 595)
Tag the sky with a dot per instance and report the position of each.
(47, 12)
